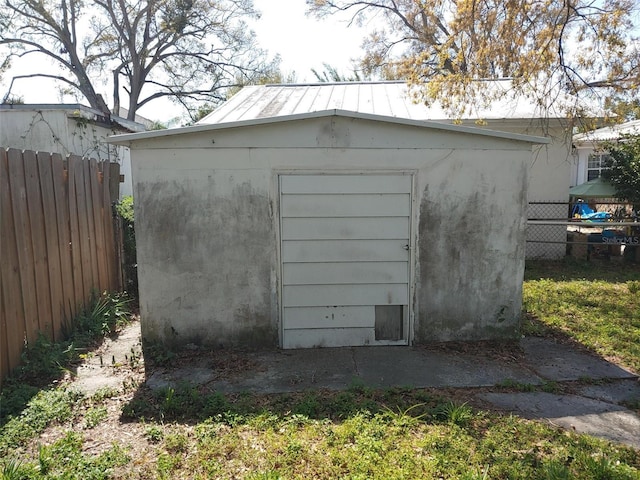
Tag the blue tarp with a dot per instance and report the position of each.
(584, 212)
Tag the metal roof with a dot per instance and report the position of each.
(608, 133)
(204, 127)
(391, 99)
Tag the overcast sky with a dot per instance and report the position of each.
(302, 42)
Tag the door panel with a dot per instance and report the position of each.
(345, 259)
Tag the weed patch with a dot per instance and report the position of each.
(65, 459)
(46, 407)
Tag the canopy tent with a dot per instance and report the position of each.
(596, 188)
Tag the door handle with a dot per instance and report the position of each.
(406, 247)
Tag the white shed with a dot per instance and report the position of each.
(329, 229)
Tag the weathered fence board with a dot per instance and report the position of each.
(38, 242)
(74, 234)
(45, 169)
(61, 191)
(57, 242)
(22, 229)
(13, 333)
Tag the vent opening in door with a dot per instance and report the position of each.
(389, 322)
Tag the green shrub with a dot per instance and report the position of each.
(124, 209)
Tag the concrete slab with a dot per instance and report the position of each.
(626, 391)
(298, 370)
(597, 409)
(340, 368)
(572, 412)
(170, 378)
(393, 366)
(272, 372)
(559, 362)
(104, 369)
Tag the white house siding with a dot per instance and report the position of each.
(207, 225)
(65, 132)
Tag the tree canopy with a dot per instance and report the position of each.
(445, 46)
(188, 50)
(331, 74)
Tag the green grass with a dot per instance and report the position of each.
(359, 433)
(46, 407)
(363, 433)
(65, 459)
(45, 362)
(34, 398)
(596, 304)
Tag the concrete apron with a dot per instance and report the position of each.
(596, 409)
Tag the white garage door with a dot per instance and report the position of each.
(345, 259)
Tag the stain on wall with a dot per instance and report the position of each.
(471, 256)
(207, 253)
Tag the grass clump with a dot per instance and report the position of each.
(65, 459)
(103, 316)
(46, 407)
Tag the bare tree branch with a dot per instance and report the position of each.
(148, 49)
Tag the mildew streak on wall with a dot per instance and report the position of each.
(210, 254)
(471, 251)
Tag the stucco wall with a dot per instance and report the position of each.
(471, 247)
(207, 226)
(549, 181)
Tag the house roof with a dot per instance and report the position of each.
(205, 127)
(608, 133)
(77, 110)
(392, 99)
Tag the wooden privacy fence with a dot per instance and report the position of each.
(57, 244)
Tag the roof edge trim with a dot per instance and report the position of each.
(127, 138)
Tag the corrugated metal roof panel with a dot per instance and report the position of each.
(609, 133)
(392, 99)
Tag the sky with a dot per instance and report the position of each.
(305, 42)
(302, 42)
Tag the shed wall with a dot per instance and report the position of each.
(208, 234)
(549, 180)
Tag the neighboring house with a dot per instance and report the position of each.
(67, 129)
(329, 228)
(549, 165)
(591, 159)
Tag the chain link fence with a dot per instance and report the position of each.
(582, 229)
